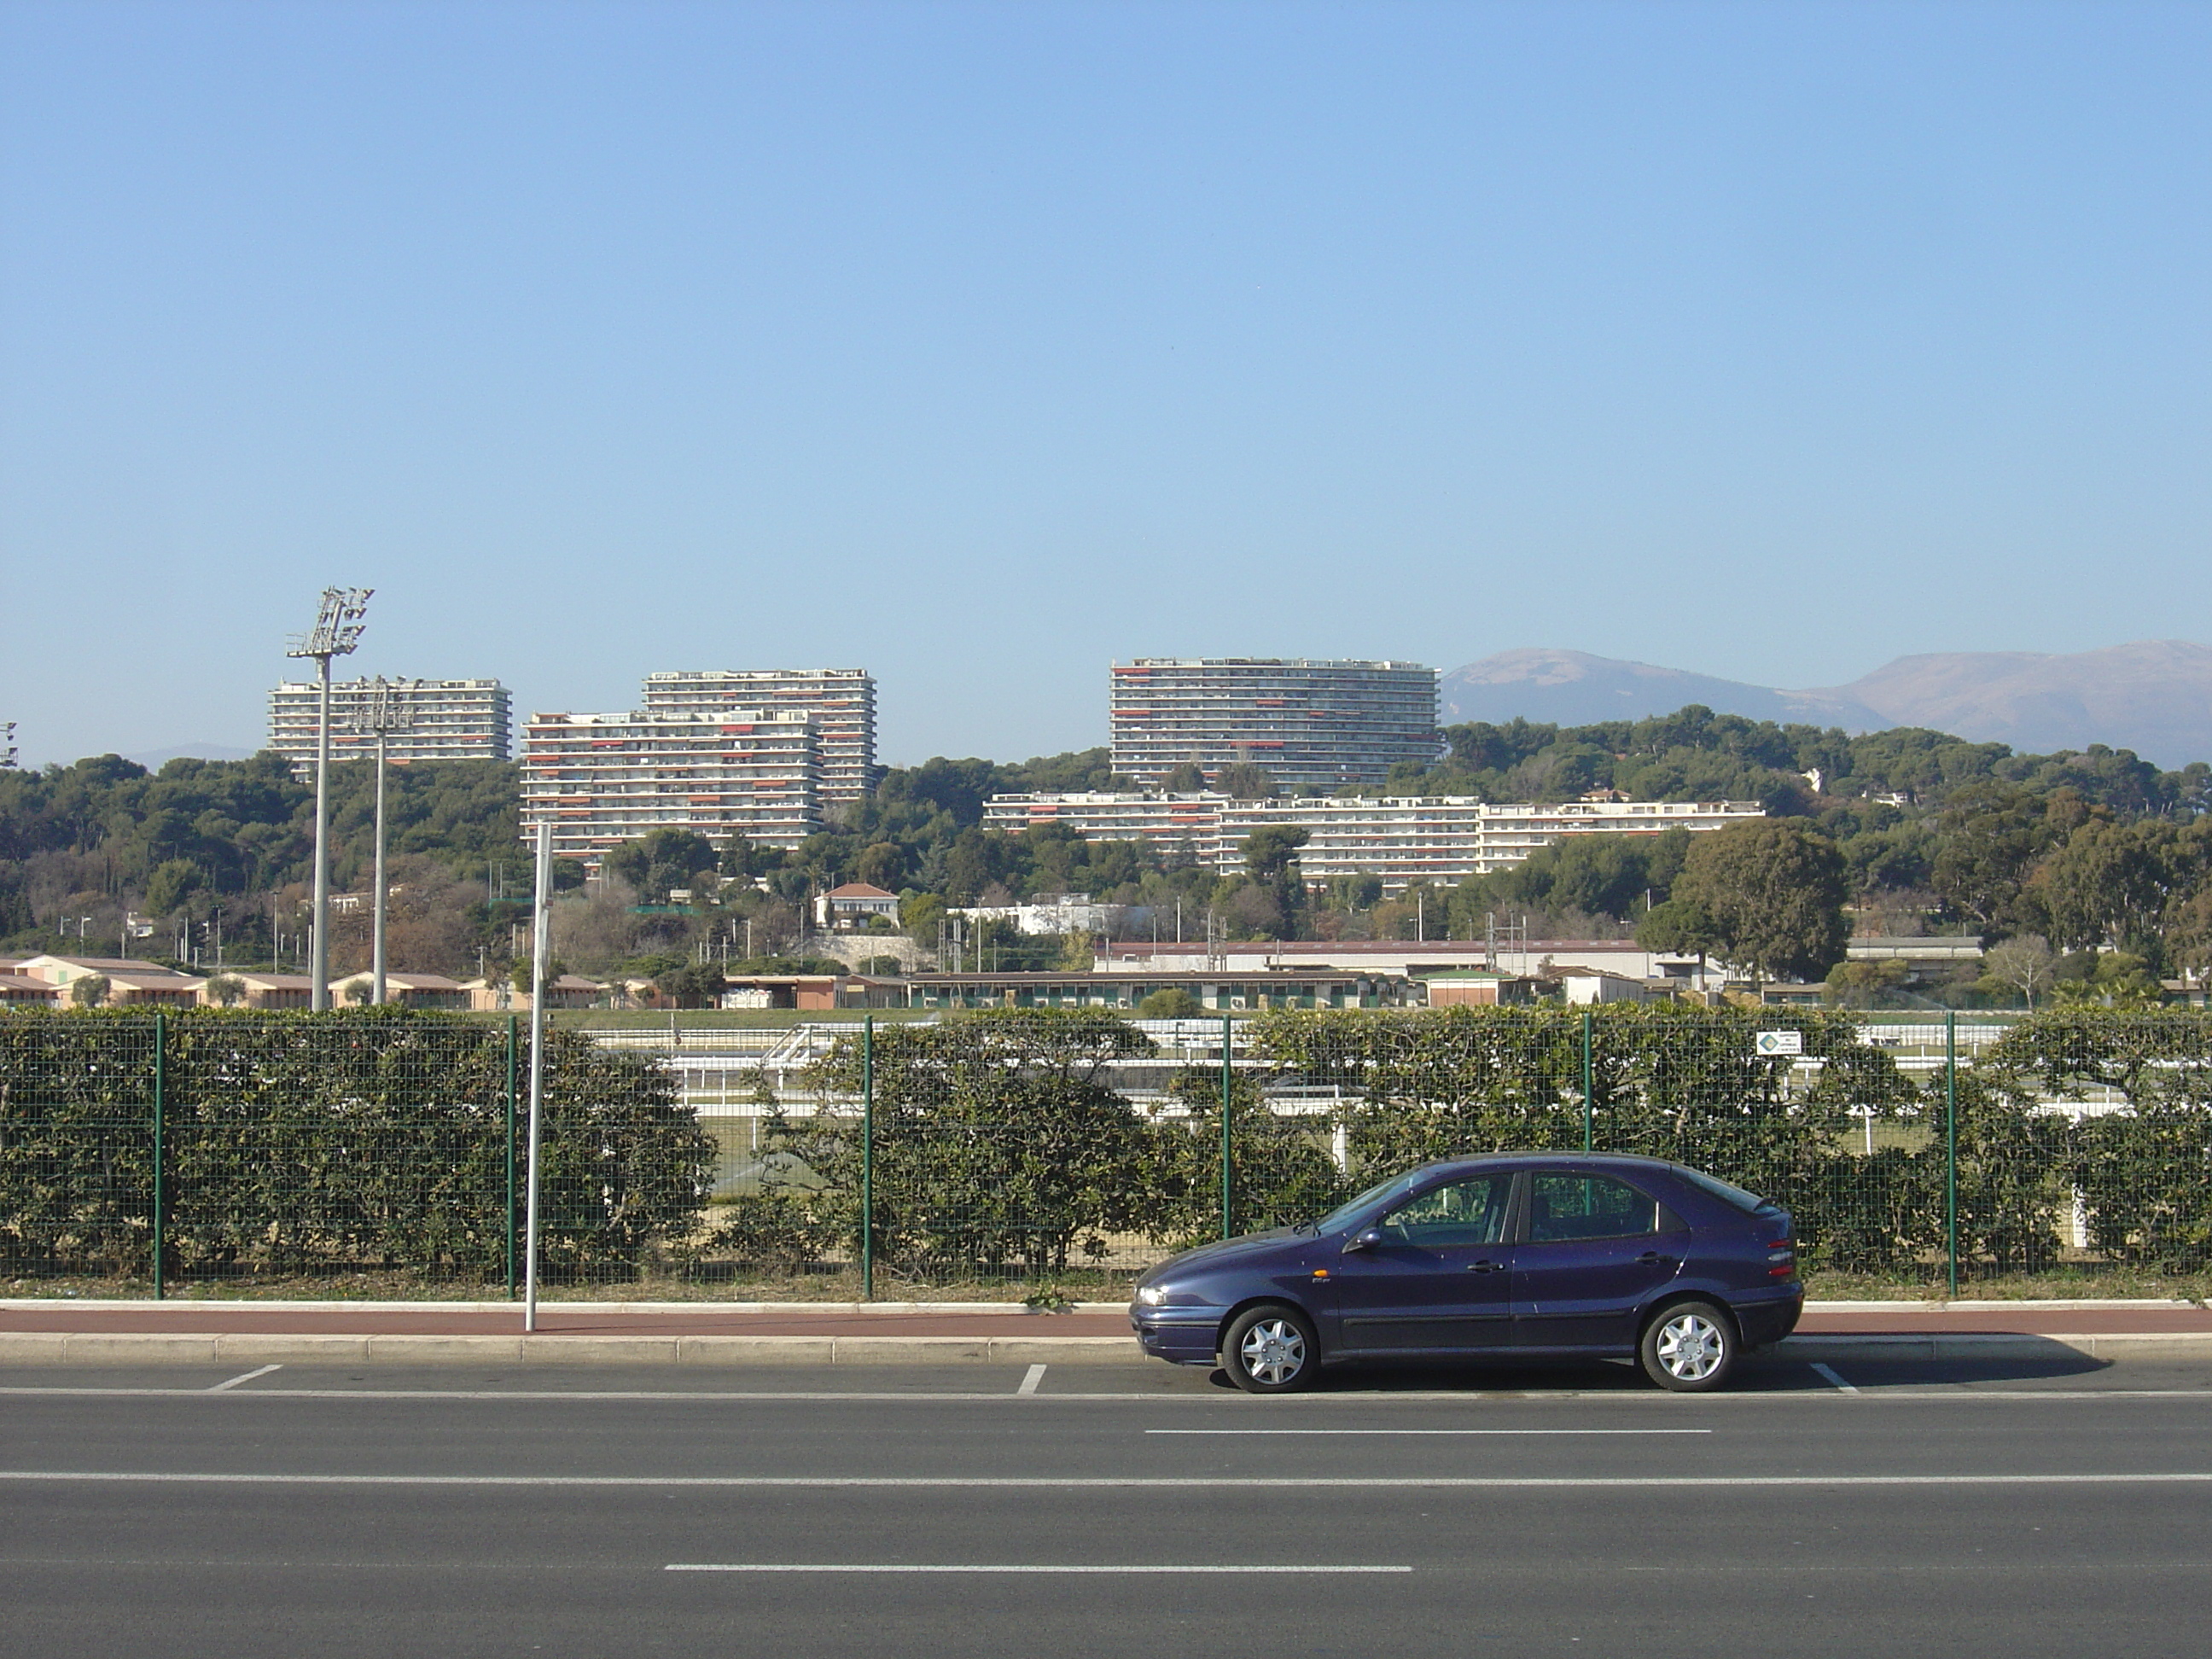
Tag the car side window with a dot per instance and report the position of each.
(1458, 1213)
(1567, 1206)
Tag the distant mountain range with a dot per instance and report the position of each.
(153, 759)
(2154, 696)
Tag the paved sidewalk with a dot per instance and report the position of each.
(50, 1333)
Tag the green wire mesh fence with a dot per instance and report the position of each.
(1058, 1153)
(374, 1147)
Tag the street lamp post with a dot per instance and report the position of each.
(336, 633)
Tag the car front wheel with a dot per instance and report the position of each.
(1690, 1348)
(1270, 1350)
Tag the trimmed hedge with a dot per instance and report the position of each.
(301, 1142)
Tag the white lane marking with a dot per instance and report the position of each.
(1029, 1380)
(1829, 1372)
(1546, 1432)
(881, 1566)
(1086, 1483)
(246, 1377)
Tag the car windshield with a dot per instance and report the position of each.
(1747, 1202)
(1351, 1207)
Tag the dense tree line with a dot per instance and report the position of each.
(2098, 859)
(1695, 754)
(234, 840)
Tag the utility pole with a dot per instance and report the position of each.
(389, 709)
(336, 632)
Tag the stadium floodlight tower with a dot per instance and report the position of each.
(388, 710)
(7, 745)
(336, 633)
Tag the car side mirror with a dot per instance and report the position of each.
(1368, 1240)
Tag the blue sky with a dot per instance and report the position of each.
(982, 345)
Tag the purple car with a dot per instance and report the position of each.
(1525, 1256)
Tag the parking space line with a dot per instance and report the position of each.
(1023, 1567)
(1829, 1372)
(244, 1376)
(1035, 1375)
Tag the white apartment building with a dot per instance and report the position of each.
(1186, 829)
(1440, 839)
(445, 720)
(602, 780)
(841, 700)
(1312, 725)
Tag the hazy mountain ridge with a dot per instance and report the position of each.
(2154, 696)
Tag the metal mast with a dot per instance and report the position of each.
(389, 709)
(336, 633)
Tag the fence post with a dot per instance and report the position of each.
(1228, 1151)
(512, 1021)
(1589, 1094)
(1951, 1147)
(867, 1157)
(161, 1152)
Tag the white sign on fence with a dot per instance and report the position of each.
(1781, 1042)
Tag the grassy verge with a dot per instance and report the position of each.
(839, 1286)
(2084, 1281)
(727, 1019)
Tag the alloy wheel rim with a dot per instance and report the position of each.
(1273, 1352)
(1690, 1348)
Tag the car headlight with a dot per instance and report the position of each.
(1151, 1296)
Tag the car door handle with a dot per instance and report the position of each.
(1486, 1267)
(1653, 1259)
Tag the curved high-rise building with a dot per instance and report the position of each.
(1313, 726)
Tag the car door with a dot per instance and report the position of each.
(1592, 1249)
(1438, 1277)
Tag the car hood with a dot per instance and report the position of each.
(1228, 1252)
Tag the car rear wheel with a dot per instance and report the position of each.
(1270, 1350)
(1691, 1347)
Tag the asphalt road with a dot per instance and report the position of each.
(2064, 1509)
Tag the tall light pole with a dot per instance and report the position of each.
(388, 710)
(336, 633)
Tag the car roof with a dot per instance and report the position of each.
(1563, 1155)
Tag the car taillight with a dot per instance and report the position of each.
(1781, 1258)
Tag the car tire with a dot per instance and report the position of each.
(1689, 1347)
(1270, 1349)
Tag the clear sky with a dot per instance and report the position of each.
(982, 345)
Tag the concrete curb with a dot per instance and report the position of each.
(70, 1348)
(871, 1309)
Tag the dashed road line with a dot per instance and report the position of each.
(1101, 1568)
(1420, 1431)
